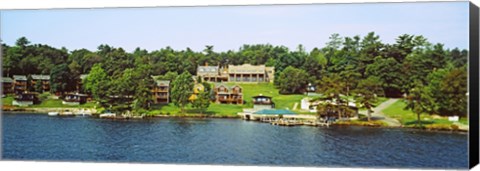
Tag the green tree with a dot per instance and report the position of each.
(453, 88)
(97, 82)
(60, 79)
(39, 86)
(292, 80)
(332, 87)
(143, 95)
(182, 88)
(22, 42)
(366, 93)
(202, 102)
(417, 101)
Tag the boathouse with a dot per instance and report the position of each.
(74, 99)
(262, 102)
(25, 99)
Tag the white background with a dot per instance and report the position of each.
(78, 166)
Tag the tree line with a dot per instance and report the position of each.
(344, 65)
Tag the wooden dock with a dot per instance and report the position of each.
(285, 120)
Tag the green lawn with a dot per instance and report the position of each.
(249, 90)
(268, 89)
(52, 103)
(408, 118)
(7, 100)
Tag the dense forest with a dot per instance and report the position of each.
(431, 76)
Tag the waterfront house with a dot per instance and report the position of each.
(230, 95)
(212, 73)
(248, 73)
(25, 99)
(161, 91)
(7, 85)
(262, 102)
(19, 83)
(41, 79)
(197, 88)
(74, 99)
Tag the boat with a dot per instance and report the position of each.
(52, 113)
(83, 112)
(66, 113)
(107, 115)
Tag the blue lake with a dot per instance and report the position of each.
(225, 142)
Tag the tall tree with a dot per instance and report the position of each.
(182, 88)
(417, 101)
(60, 81)
(366, 93)
(97, 82)
(202, 102)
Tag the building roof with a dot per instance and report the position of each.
(20, 77)
(202, 70)
(246, 68)
(226, 86)
(261, 96)
(7, 80)
(162, 82)
(274, 112)
(41, 77)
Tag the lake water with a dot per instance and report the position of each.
(225, 142)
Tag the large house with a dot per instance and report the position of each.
(245, 73)
(43, 79)
(212, 73)
(19, 83)
(161, 91)
(7, 85)
(226, 94)
(250, 73)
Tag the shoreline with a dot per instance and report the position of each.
(44, 111)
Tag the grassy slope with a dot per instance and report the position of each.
(249, 90)
(408, 118)
(7, 100)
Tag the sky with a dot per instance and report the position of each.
(229, 27)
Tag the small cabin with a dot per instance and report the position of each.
(25, 99)
(74, 99)
(262, 102)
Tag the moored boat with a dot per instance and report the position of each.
(52, 113)
(108, 115)
(66, 113)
